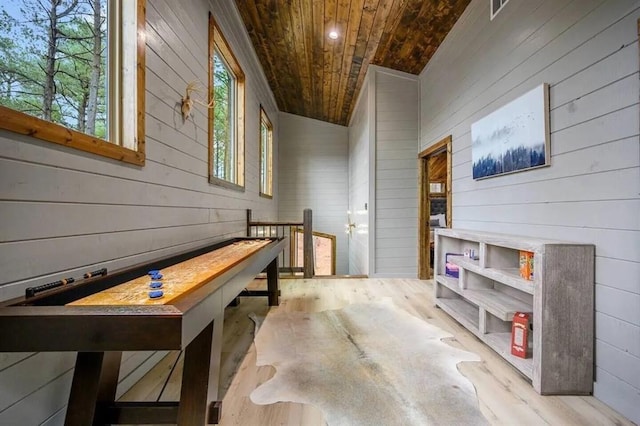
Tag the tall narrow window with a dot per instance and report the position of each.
(226, 118)
(266, 155)
(224, 84)
(63, 68)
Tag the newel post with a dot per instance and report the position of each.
(308, 243)
(248, 222)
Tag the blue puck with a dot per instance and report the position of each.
(155, 284)
(155, 294)
(154, 272)
(157, 276)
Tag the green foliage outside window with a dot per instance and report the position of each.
(266, 154)
(223, 120)
(53, 61)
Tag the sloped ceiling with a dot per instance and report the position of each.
(317, 77)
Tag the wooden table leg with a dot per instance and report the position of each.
(215, 400)
(272, 283)
(200, 377)
(93, 388)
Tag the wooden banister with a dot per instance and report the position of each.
(307, 226)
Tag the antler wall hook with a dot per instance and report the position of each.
(188, 100)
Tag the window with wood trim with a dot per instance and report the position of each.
(266, 155)
(64, 68)
(226, 117)
(496, 6)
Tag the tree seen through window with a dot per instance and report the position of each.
(226, 117)
(223, 117)
(53, 61)
(266, 155)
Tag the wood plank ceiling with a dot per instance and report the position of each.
(314, 76)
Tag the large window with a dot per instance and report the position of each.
(266, 155)
(226, 117)
(64, 67)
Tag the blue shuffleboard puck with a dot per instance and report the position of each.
(155, 294)
(155, 284)
(153, 272)
(157, 276)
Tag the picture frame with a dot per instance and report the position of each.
(436, 188)
(514, 137)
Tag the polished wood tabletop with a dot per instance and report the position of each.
(177, 280)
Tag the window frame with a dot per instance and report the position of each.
(25, 124)
(217, 42)
(264, 119)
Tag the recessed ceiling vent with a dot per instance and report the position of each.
(496, 6)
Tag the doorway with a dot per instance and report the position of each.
(435, 200)
(324, 251)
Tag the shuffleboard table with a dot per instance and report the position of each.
(101, 317)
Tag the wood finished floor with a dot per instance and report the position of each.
(505, 397)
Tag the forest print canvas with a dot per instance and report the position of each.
(512, 138)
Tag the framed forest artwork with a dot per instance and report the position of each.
(513, 138)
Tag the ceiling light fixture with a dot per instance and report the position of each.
(333, 35)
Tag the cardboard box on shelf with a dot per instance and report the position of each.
(520, 335)
(526, 265)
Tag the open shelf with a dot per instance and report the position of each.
(508, 276)
(465, 262)
(498, 303)
(501, 343)
(490, 291)
(464, 312)
(449, 282)
(467, 315)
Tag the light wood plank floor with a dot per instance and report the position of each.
(505, 397)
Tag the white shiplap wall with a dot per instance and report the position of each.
(65, 212)
(359, 188)
(314, 174)
(587, 50)
(397, 115)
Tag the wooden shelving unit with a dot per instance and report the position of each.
(560, 298)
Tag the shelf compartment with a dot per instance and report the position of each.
(491, 324)
(509, 276)
(497, 303)
(449, 282)
(501, 257)
(464, 312)
(452, 245)
(501, 343)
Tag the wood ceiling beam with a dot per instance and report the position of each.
(373, 43)
(350, 37)
(342, 20)
(329, 22)
(299, 50)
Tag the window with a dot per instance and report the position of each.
(496, 6)
(63, 69)
(226, 117)
(266, 155)
(436, 187)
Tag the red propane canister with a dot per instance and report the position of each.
(520, 334)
